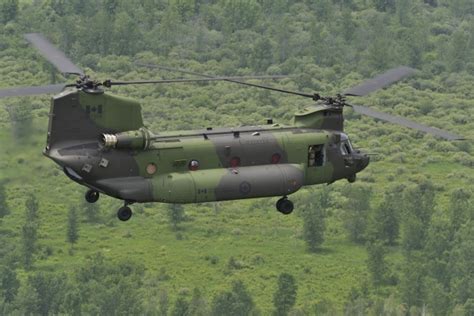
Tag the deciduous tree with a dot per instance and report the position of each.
(235, 302)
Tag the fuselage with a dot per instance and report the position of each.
(136, 165)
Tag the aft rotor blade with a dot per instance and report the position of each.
(25, 91)
(53, 54)
(184, 80)
(407, 123)
(380, 81)
(314, 96)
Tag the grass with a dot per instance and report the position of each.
(262, 242)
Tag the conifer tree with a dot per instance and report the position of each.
(285, 296)
(175, 214)
(29, 231)
(3, 202)
(72, 229)
(376, 262)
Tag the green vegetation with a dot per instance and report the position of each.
(285, 296)
(399, 240)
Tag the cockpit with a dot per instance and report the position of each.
(345, 145)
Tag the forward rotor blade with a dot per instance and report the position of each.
(407, 123)
(121, 83)
(314, 96)
(380, 81)
(25, 91)
(52, 54)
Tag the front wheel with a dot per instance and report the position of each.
(92, 196)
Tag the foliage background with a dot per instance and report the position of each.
(149, 265)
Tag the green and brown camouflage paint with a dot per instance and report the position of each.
(233, 163)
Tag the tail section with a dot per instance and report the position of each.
(80, 116)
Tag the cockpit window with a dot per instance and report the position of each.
(346, 147)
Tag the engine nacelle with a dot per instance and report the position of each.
(139, 139)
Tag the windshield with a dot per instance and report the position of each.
(346, 146)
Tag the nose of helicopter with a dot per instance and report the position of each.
(362, 161)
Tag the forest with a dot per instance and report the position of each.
(398, 241)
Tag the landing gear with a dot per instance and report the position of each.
(284, 206)
(92, 196)
(352, 178)
(124, 213)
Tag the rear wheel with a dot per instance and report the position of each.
(124, 213)
(284, 206)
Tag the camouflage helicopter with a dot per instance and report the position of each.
(101, 142)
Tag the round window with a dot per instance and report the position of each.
(193, 165)
(235, 162)
(276, 158)
(151, 168)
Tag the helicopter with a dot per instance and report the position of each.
(100, 141)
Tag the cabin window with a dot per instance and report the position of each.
(316, 155)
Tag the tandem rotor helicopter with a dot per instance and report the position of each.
(100, 141)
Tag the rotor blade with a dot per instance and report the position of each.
(407, 123)
(314, 96)
(24, 91)
(184, 71)
(52, 54)
(121, 83)
(380, 81)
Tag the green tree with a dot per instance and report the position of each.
(285, 296)
(32, 207)
(437, 297)
(9, 284)
(163, 302)
(262, 54)
(235, 302)
(181, 307)
(376, 262)
(459, 208)
(27, 301)
(110, 287)
(438, 247)
(357, 209)
(240, 14)
(72, 229)
(460, 268)
(384, 5)
(458, 50)
(8, 10)
(128, 36)
(29, 238)
(29, 230)
(21, 118)
(403, 9)
(198, 304)
(3, 202)
(314, 206)
(384, 222)
(176, 215)
(418, 206)
(91, 211)
(314, 226)
(412, 280)
(51, 289)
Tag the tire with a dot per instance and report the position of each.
(124, 213)
(285, 206)
(92, 196)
